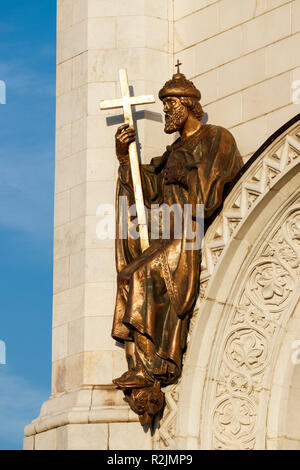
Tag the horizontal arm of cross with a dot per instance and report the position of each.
(132, 101)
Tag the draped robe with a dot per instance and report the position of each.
(157, 289)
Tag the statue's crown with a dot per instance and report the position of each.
(179, 86)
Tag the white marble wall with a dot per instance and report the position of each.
(243, 55)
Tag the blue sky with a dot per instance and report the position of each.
(27, 124)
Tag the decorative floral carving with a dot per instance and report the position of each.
(270, 284)
(293, 229)
(283, 251)
(258, 317)
(268, 289)
(239, 383)
(234, 419)
(246, 348)
(253, 316)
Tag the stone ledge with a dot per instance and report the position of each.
(92, 436)
(81, 408)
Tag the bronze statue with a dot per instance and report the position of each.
(157, 288)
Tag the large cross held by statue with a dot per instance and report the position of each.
(126, 102)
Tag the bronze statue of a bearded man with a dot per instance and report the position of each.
(157, 289)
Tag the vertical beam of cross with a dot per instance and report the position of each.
(126, 102)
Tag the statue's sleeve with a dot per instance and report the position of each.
(151, 178)
(128, 248)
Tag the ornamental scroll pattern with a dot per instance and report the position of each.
(270, 287)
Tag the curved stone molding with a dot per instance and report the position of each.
(282, 423)
(253, 330)
(249, 286)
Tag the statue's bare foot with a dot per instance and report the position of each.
(132, 379)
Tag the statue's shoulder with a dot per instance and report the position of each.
(219, 131)
(225, 145)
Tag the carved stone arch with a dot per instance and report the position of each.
(249, 289)
(283, 417)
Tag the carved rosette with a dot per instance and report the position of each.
(270, 286)
(234, 418)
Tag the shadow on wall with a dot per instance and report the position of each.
(205, 118)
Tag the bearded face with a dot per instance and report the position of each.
(176, 114)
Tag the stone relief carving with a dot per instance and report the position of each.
(269, 288)
(234, 418)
